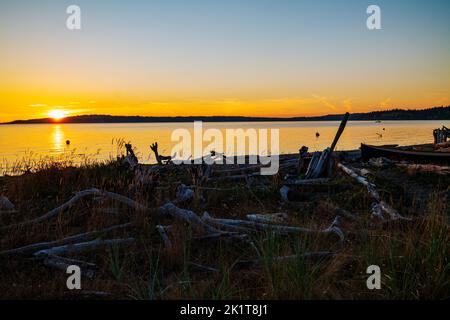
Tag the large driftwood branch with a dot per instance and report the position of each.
(29, 249)
(187, 216)
(257, 226)
(371, 189)
(78, 196)
(83, 246)
(87, 269)
(267, 218)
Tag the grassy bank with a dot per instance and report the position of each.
(414, 256)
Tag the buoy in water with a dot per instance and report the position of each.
(317, 134)
(67, 142)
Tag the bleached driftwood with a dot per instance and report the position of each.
(319, 166)
(78, 196)
(187, 216)
(56, 262)
(29, 249)
(267, 218)
(83, 246)
(280, 229)
(371, 189)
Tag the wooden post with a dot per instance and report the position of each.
(340, 131)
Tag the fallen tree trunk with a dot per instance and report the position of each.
(257, 226)
(87, 269)
(78, 196)
(83, 246)
(72, 239)
(187, 216)
(267, 218)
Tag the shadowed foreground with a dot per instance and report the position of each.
(260, 238)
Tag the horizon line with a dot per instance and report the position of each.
(63, 120)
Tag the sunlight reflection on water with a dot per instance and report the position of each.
(95, 141)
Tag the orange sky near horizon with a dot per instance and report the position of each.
(221, 58)
(25, 106)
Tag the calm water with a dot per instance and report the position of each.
(95, 141)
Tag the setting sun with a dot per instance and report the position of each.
(57, 114)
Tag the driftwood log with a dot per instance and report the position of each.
(29, 249)
(320, 161)
(258, 226)
(78, 196)
(87, 269)
(371, 189)
(169, 209)
(83, 246)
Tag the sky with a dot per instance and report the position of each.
(278, 58)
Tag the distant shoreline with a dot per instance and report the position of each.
(437, 113)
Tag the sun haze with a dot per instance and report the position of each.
(57, 114)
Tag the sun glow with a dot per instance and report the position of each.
(57, 114)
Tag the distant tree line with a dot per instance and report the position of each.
(437, 113)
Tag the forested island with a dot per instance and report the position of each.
(436, 113)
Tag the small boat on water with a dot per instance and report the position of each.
(405, 153)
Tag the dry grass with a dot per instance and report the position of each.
(414, 257)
